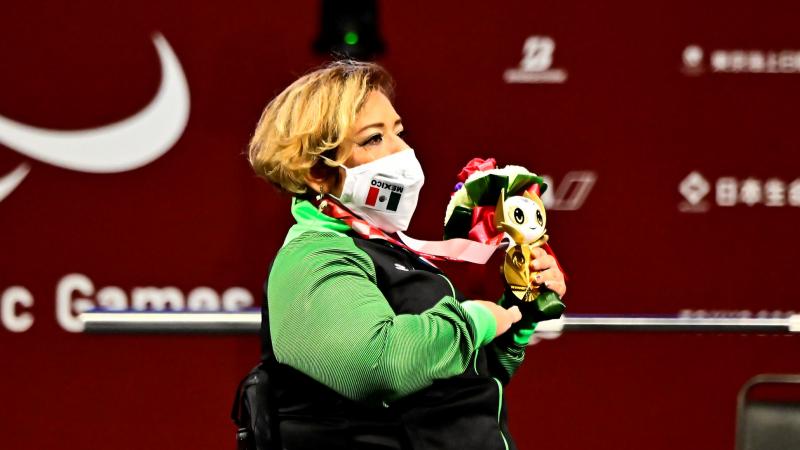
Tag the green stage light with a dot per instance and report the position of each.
(351, 38)
(349, 29)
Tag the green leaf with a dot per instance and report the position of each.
(485, 191)
(523, 181)
(459, 223)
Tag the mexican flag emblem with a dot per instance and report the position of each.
(383, 195)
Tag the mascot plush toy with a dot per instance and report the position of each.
(494, 205)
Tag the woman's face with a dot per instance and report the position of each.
(377, 132)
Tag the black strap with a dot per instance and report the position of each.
(245, 437)
(254, 409)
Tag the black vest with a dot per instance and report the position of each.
(460, 413)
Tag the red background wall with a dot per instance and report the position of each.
(629, 112)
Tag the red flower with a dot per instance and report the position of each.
(476, 165)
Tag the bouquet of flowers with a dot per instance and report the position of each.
(492, 205)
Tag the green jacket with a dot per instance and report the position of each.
(381, 328)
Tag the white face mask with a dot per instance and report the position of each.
(384, 192)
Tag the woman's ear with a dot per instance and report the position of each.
(322, 176)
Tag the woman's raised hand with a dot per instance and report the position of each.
(545, 271)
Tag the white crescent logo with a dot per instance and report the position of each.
(121, 146)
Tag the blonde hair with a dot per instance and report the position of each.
(311, 117)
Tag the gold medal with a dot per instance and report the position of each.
(517, 272)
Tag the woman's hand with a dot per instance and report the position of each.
(545, 271)
(504, 317)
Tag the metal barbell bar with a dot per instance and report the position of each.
(250, 322)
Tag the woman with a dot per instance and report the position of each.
(369, 345)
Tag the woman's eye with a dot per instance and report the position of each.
(376, 139)
(402, 134)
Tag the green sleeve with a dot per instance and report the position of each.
(508, 350)
(329, 320)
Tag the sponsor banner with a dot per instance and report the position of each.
(699, 194)
(697, 61)
(571, 192)
(111, 197)
(76, 293)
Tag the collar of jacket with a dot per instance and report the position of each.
(310, 219)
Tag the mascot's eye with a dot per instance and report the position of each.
(519, 216)
(539, 218)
